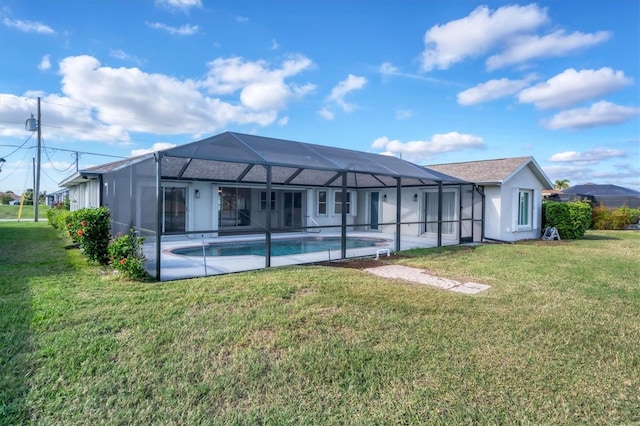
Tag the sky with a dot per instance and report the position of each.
(431, 82)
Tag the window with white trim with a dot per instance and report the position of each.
(525, 209)
(263, 200)
(322, 203)
(338, 205)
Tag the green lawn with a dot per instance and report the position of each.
(13, 212)
(556, 340)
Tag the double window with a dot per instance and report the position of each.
(338, 203)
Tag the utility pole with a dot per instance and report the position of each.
(36, 197)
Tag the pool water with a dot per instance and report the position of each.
(279, 247)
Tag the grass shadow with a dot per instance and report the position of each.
(599, 237)
(28, 252)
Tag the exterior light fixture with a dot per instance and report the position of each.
(384, 198)
(197, 193)
(415, 197)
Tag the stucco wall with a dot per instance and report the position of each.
(525, 180)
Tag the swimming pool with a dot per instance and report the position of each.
(279, 247)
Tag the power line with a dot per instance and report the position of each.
(66, 150)
(18, 146)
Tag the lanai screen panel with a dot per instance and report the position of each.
(283, 152)
(129, 191)
(310, 177)
(144, 200)
(209, 159)
(120, 203)
(223, 147)
(257, 174)
(213, 170)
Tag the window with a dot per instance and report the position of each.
(339, 203)
(263, 200)
(322, 202)
(525, 198)
(449, 212)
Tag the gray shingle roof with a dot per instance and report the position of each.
(484, 171)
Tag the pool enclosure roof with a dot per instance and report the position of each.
(242, 158)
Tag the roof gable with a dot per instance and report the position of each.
(492, 172)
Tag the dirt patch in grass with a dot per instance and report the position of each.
(362, 262)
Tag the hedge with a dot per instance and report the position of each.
(571, 219)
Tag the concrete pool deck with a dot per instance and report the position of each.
(174, 267)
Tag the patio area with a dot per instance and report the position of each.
(199, 263)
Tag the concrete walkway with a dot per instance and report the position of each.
(419, 276)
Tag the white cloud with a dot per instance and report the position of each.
(418, 151)
(477, 33)
(124, 56)
(71, 119)
(184, 30)
(158, 146)
(493, 89)
(599, 114)
(558, 43)
(404, 114)
(283, 121)
(260, 87)
(274, 45)
(343, 88)
(572, 87)
(387, 69)
(45, 63)
(28, 26)
(180, 4)
(104, 104)
(161, 104)
(592, 156)
(326, 114)
(623, 175)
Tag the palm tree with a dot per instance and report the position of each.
(561, 184)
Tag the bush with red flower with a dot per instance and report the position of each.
(125, 254)
(90, 229)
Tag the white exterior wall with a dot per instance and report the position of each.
(525, 179)
(85, 195)
(202, 212)
(493, 213)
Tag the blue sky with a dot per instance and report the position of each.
(431, 81)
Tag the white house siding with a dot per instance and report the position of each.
(84, 195)
(493, 213)
(523, 180)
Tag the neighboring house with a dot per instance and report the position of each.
(513, 194)
(57, 197)
(239, 185)
(15, 198)
(609, 196)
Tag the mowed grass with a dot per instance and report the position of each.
(556, 340)
(28, 212)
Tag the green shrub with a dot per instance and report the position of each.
(58, 216)
(604, 218)
(125, 254)
(571, 219)
(89, 227)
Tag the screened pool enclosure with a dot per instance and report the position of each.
(240, 190)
